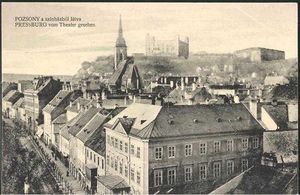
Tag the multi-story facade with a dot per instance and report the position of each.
(181, 149)
(45, 88)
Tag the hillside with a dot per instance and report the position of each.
(155, 65)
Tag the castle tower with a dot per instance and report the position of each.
(121, 48)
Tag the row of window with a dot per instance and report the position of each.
(122, 168)
(90, 156)
(203, 172)
(118, 144)
(188, 148)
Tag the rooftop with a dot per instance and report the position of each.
(113, 182)
(257, 180)
(95, 123)
(12, 96)
(56, 101)
(153, 121)
(279, 113)
(83, 120)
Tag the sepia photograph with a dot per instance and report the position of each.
(149, 98)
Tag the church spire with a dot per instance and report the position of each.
(120, 27)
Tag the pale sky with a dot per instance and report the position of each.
(211, 27)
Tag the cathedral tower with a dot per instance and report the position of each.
(121, 48)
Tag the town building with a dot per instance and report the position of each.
(126, 78)
(7, 87)
(24, 84)
(19, 110)
(44, 89)
(175, 47)
(112, 184)
(8, 101)
(258, 54)
(275, 80)
(175, 148)
(55, 114)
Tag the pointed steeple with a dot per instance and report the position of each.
(120, 27)
(120, 40)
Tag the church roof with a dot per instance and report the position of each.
(120, 40)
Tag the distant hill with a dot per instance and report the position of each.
(10, 77)
(174, 65)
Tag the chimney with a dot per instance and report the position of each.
(71, 103)
(194, 86)
(177, 85)
(253, 107)
(182, 84)
(78, 106)
(125, 100)
(293, 112)
(171, 84)
(98, 105)
(103, 95)
(133, 98)
(274, 102)
(236, 99)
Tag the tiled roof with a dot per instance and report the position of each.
(6, 87)
(83, 102)
(83, 120)
(176, 95)
(61, 119)
(113, 182)
(96, 141)
(19, 103)
(277, 142)
(117, 75)
(65, 129)
(12, 96)
(116, 102)
(279, 114)
(55, 102)
(186, 120)
(257, 180)
(282, 92)
(95, 123)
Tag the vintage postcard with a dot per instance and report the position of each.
(149, 98)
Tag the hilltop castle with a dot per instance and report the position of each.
(175, 47)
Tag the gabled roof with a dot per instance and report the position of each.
(56, 101)
(91, 126)
(20, 103)
(113, 182)
(12, 96)
(176, 95)
(61, 119)
(279, 113)
(82, 102)
(65, 129)
(96, 141)
(83, 120)
(118, 74)
(153, 122)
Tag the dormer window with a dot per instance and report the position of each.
(142, 121)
